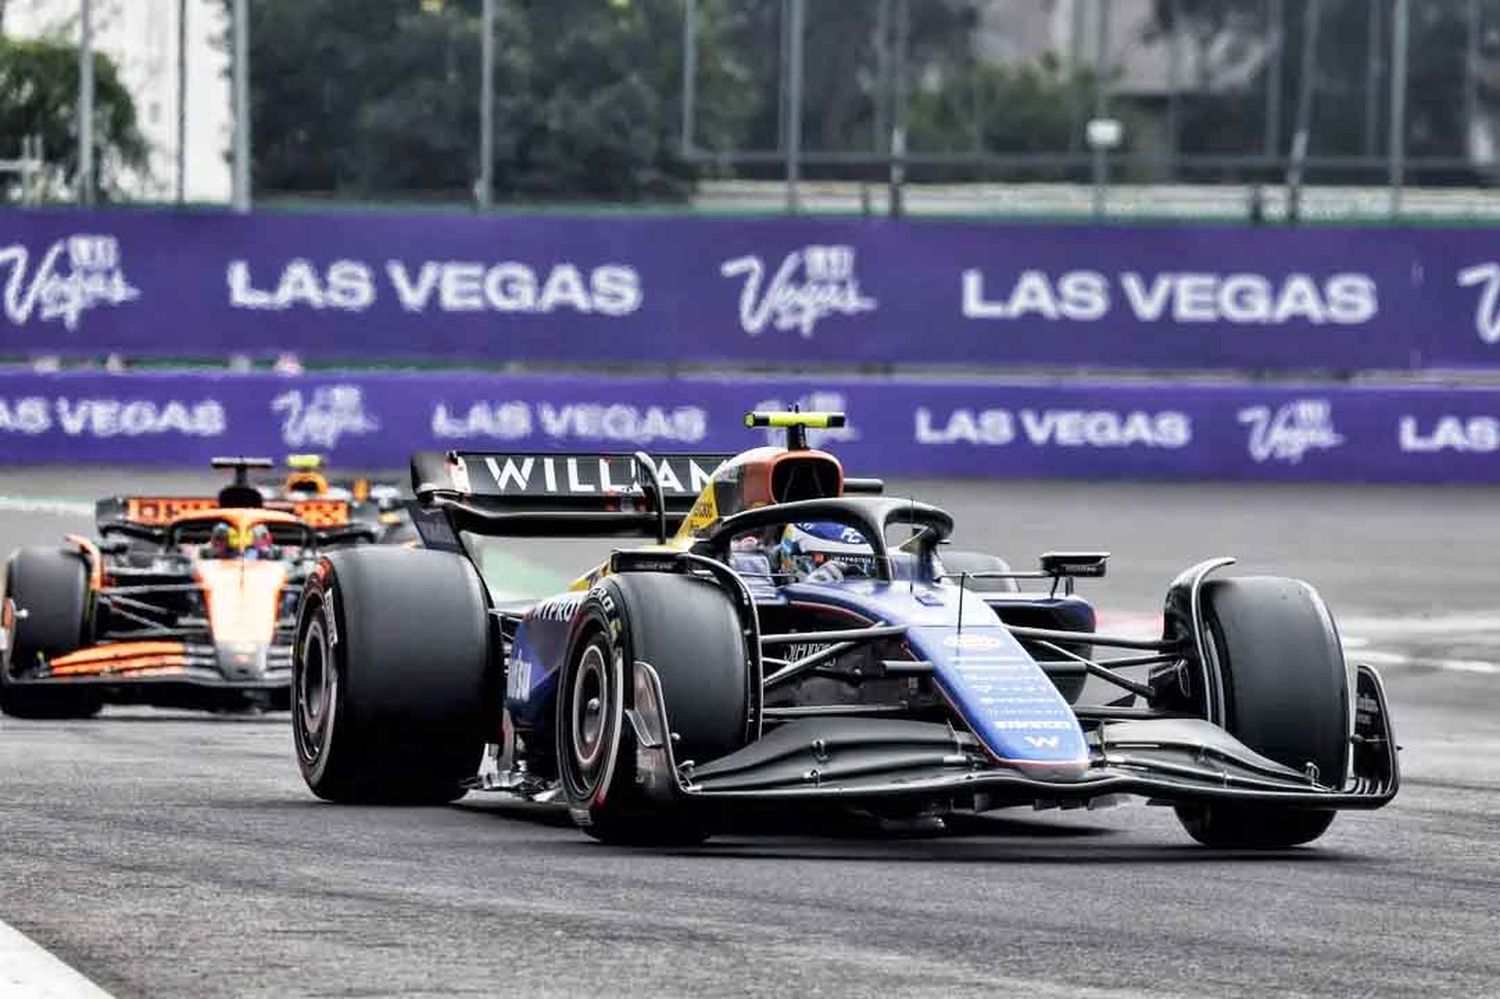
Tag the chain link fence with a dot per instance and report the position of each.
(1258, 109)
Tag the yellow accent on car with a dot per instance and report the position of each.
(813, 421)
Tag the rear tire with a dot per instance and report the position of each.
(687, 629)
(1286, 696)
(391, 676)
(48, 589)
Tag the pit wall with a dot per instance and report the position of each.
(1076, 429)
(1282, 326)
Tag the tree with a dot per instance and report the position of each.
(1022, 108)
(1436, 105)
(39, 96)
(846, 76)
(373, 97)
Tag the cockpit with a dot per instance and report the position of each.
(234, 535)
(810, 551)
(252, 542)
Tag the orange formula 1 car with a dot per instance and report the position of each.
(182, 602)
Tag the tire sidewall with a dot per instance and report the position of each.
(390, 674)
(65, 625)
(1229, 652)
(316, 732)
(598, 625)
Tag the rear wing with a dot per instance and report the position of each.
(147, 517)
(555, 495)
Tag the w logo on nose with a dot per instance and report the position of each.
(1043, 741)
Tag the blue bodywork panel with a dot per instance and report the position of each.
(989, 679)
(982, 670)
(541, 642)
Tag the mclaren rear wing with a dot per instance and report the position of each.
(555, 495)
(148, 517)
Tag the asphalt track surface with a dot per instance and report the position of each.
(180, 855)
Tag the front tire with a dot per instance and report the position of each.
(690, 633)
(1286, 696)
(390, 676)
(48, 593)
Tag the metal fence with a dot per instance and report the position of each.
(1118, 108)
(1219, 108)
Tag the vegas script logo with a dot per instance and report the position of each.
(1288, 433)
(70, 277)
(320, 420)
(1486, 277)
(810, 285)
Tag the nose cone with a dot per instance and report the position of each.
(1011, 705)
(241, 660)
(243, 601)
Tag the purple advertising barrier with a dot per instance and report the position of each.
(759, 292)
(1077, 429)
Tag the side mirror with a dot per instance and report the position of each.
(1076, 565)
(115, 546)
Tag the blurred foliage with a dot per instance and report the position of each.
(1019, 108)
(847, 76)
(364, 97)
(359, 98)
(39, 96)
(1437, 122)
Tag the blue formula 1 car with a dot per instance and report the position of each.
(791, 638)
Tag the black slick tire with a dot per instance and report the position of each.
(391, 680)
(687, 629)
(1286, 696)
(48, 589)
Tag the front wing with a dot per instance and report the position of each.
(181, 667)
(853, 762)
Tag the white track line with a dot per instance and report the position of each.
(28, 970)
(38, 504)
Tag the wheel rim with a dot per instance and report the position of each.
(316, 692)
(590, 707)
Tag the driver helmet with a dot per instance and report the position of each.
(259, 544)
(827, 549)
(223, 541)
